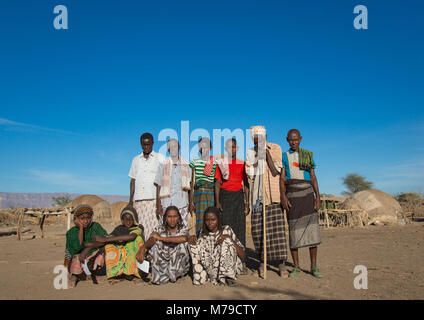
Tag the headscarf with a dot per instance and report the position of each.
(83, 209)
(131, 211)
(260, 130)
(122, 230)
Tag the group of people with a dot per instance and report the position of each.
(218, 192)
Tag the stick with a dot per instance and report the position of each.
(20, 223)
(42, 225)
(12, 231)
(264, 215)
(68, 225)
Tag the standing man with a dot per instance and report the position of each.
(268, 154)
(231, 191)
(173, 182)
(298, 185)
(143, 171)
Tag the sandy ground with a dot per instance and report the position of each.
(394, 257)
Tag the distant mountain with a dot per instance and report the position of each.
(44, 200)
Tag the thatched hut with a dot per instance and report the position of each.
(116, 209)
(381, 207)
(100, 207)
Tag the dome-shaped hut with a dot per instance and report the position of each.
(100, 207)
(381, 207)
(116, 209)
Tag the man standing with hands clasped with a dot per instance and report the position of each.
(143, 171)
(298, 184)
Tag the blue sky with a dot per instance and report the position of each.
(74, 102)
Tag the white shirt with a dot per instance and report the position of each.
(144, 172)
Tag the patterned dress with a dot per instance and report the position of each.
(214, 262)
(120, 258)
(169, 261)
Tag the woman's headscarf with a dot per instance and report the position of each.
(83, 209)
(132, 212)
(122, 230)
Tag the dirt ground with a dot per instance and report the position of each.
(393, 255)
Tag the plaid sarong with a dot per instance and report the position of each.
(276, 247)
(204, 197)
(302, 217)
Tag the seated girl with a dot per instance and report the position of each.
(123, 244)
(216, 254)
(81, 246)
(167, 249)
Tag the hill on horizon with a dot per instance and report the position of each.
(45, 200)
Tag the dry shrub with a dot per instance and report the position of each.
(412, 203)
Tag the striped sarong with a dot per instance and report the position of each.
(302, 217)
(276, 248)
(203, 197)
(233, 212)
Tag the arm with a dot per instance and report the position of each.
(109, 239)
(132, 190)
(246, 193)
(271, 164)
(80, 230)
(314, 182)
(191, 193)
(141, 254)
(217, 190)
(159, 209)
(240, 251)
(88, 246)
(175, 239)
(283, 197)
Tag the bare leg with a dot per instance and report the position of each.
(295, 256)
(313, 254)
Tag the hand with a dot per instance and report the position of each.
(246, 209)
(78, 222)
(191, 208)
(222, 237)
(156, 236)
(140, 256)
(218, 205)
(83, 255)
(286, 203)
(192, 240)
(131, 203)
(317, 204)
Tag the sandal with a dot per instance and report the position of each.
(315, 272)
(295, 273)
(283, 271)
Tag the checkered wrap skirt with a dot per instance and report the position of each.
(275, 233)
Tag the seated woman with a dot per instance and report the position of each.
(216, 254)
(81, 246)
(167, 249)
(123, 244)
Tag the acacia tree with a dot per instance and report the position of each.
(61, 201)
(355, 183)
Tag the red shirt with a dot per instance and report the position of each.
(236, 176)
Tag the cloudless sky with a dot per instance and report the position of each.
(73, 103)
